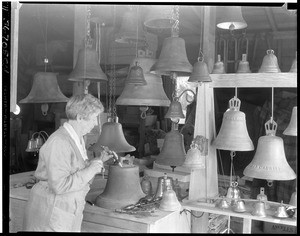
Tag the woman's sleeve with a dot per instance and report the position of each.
(59, 165)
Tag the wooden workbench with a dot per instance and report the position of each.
(97, 219)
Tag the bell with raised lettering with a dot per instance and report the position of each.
(233, 134)
(269, 161)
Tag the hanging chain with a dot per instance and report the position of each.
(88, 39)
(174, 81)
(200, 55)
(114, 75)
(175, 17)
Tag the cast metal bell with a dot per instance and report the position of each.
(269, 161)
(169, 201)
(294, 65)
(159, 18)
(239, 206)
(281, 212)
(45, 89)
(259, 209)
(194, 159)
(131, 30)
(122, 187)
(223, 204)
(31, 146)
(270, 63)
(200, 72)
(243, 65)
(172, 152)
(173, 58)
(136, 76)
(112, 136)
(263, 197)
(218, 66)
(163, 183)
(151, 94)
(291, 129)
(175, 110)
(233, 134)
(233, 194)
(87, 67)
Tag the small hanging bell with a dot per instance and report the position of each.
(175, 110)
(200, 72)
(281, 212)
(243, 65)
(270, 63)
(194, 159)
(31, 146)
(218, 66)
(136, 76)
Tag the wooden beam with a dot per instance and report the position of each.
(254, 80)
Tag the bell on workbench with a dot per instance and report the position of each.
(122, 187)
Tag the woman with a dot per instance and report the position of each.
(57, 201)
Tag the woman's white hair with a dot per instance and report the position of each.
(84, 105)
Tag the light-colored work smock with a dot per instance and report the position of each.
(57, 201)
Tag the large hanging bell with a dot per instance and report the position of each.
(159, 18)
(87, 67)
(294, 65)
(169, 201)
(112, 136)
(136, 76)
(131, 31)
(173, 58)
(172, 152)
(200, 72)
(291, 129)
(270, 63)
(269, 161)
(218, 66)
(230, 18)
(122, 187)
(45, 89)
(151, 94)
(233, 134)
(243, 65)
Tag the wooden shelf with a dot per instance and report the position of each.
(254, 80)
(247, 216)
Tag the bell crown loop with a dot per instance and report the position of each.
(271, 127)
(234, 104)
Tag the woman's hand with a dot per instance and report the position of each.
(96, 164)
(105, 156)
